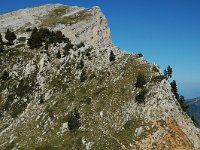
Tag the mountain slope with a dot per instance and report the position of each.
(86, 98)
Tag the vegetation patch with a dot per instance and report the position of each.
(140, 98)
(158, 78)
(141, 81)
(73, 120)
(73, 19)
(56, 16)
(10, 146)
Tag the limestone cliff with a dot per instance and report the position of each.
(84, 99)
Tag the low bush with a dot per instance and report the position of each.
(73, 120)
(5, 75)
(140, 98)
(140, 55)
(141, 81)
(158, 78)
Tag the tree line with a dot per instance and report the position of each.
(45, 36)
(168, 74)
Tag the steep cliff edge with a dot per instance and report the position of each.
(87, 98)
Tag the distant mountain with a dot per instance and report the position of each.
(194, 108)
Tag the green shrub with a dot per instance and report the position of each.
(140, 98)
(141, 81)
(22, 39)
(67, 48)
(140, 55)
(158, 78)
(10, 146)
(73, 120)
(8, 102)
(5, 75)
(83, 76)
(18, 108)
(88, 51)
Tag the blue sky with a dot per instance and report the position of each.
(165, 31)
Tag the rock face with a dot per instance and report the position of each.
(87, 98)
(79, 24)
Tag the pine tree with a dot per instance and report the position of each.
(59, 37)
(169, 71)
(1, 44)
(165, 74)
(181, 101)
(1, 40)
(52, 37)
(174, 89)
(10, 36)
(67, 48)
(35, 40)
(44, 33)
(112, 56)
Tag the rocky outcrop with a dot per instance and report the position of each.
(79, 24)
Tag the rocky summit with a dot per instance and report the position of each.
(64, 85)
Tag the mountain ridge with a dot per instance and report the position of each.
(59, 94)
(194, 109)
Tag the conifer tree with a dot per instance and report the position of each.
(174, 89)
(10, 36)
(112, 56)
(59, 37)
(165, 74)
(52, 37)
(168, 72)
(35, 40)
(182, 103)
(1, 44)
(1, 40)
